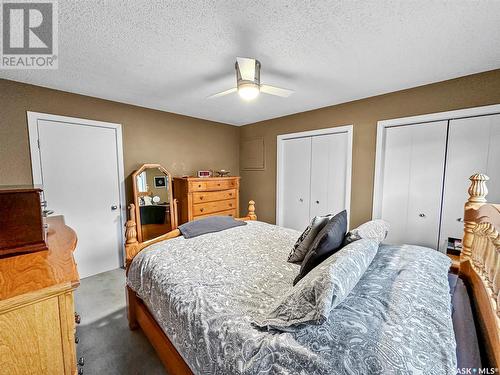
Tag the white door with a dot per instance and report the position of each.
(79, 171)
(412, 182)
(473, 147)
(296, 172)
(329, 173)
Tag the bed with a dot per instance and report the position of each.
(200, 314)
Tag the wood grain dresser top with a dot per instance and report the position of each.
(30, 272)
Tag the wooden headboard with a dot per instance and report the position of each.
(133, 246)
(480, 265)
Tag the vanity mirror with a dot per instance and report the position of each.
(155, 209)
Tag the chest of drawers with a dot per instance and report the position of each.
(37, 316)
(202, 197)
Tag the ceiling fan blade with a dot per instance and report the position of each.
(247, 68)
(227, 92)
(273, 90)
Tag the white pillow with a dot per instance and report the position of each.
(374, 229)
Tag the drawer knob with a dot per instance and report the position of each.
(199, 186)
(201, 209)
(201, 198)
(81, 361)
(78, 319)
(218, 184)
(230, 194)
(230, 205)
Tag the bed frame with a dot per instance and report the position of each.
(479, 268)
(138, 313)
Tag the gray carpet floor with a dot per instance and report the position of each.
(105, 341)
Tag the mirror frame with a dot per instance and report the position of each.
(173, 202)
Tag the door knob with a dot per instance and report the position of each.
(301, 200)
(460, 220)
(421, 215)
(317, 202)
(114, 207)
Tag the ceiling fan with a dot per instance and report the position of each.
(248, 83)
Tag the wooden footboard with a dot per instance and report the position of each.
(480, 265)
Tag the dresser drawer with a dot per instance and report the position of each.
(231, 213)
(212, 185)
(210, 207)
(211, 196)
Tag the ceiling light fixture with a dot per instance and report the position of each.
(248, 82)
(248, 90)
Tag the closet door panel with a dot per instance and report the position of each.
(492, 169)
(473, 147)
(396, 182)
(296, 156)
(428, 149)
(328, 174)
(412, 182)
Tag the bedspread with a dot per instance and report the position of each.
(204, 292)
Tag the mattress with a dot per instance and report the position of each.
(205, 292)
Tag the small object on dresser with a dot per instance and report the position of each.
(223, 173)
(206, 173)
(22, 228)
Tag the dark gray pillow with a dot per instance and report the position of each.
(208, 225)
(327, 242)
(306, 239)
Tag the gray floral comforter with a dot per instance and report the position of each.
(204, 292)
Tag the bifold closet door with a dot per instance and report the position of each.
(329, 160)
(296, 164)
(412, 182)
(473, 147)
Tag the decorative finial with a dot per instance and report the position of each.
(131, 231)
(251, 210)
(478, 190)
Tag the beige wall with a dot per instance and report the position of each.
(470, 91)
(160, 137)
(181, 144)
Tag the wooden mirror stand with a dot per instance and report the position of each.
(154, 207)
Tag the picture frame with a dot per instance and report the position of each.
(160, 182)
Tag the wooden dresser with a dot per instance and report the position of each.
(202, 197)
(37, 316)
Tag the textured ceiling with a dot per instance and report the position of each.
(170, 55)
